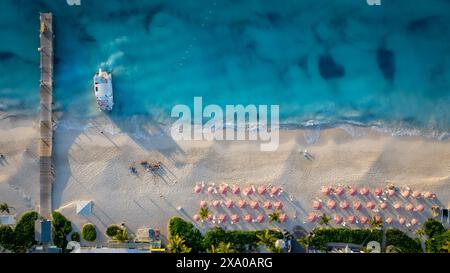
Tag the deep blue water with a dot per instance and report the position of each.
(325, 61)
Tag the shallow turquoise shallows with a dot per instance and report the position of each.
(323, 62)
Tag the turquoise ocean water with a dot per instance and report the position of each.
(324, 62)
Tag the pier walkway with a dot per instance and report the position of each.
(46, 125)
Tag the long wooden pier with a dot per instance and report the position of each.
(46, 125)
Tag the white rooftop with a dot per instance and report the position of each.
(84, 208)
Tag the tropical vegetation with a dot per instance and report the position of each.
(88, 232)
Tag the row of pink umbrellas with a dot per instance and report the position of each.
(243, 203)
(235, 218)
(339, 190)
(224, 188)
(312, 217)
(331, 204)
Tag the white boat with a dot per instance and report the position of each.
(103, 90)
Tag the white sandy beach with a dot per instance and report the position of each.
(91, 165)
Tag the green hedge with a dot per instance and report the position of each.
(191, 235)
(436, 244)
(322, 236)
(402, 241)
(240, 240)
(89, 233)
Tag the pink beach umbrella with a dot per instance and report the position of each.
(389, 220)
(427, 195)
(420, 207)
(196, 217)
(260, 218)
(414, 221)
(339, 190)
(203, 204)
(234, 218)
(248, 218)
(283, 218)
(248, 190)
(356, 205)
(326, 190)
(242, 203)
(235, 189)
(197, 189)
(338, 219)
(267, 205)
(229, 203)
(353, 191)
(210, 189)
(344, 205)
(391, 193)
(331, 204)
(210, 217)
(370, 205)
(254, 204)
(262, 189)
(364, 191)
(317, 205)
(278, 205)
(222, 218)
(312, 217)
(401, 221)
(397, 205)
(378, 191)
(383, 205)
(216, 203)
(416, 194)
(363, 220)
(409, 207)
(351, 219)
(406, 193)
(223, 189)
(275, 190)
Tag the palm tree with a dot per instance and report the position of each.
(374, 223)
(275, 217)
(177, 245)
(121, 235)
(204, 212)
(446, 247)
(324, 220)
(222, 248)
(421, 234)
(4, 208)
(267, 239)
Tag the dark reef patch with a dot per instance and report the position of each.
(6, 56)
(329, 69)
(421, 24)
(386, 63)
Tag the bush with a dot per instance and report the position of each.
(438, 243)
(61, 228)
(24, 232)
(89, 233)
(7, 237)
(75, 237)
(433, 227)
(322, 236)
(241, 241)
(191, 235)
(403, 242)
(112, 230)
